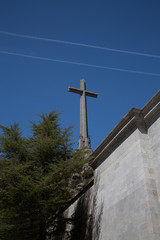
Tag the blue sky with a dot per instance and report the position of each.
(31, 86)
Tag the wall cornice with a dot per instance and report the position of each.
(135, 118)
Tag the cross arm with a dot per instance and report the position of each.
(75, 90)
(91, 94)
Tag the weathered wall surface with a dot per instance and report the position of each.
(81, 211)
(127, 189)
(152, 161)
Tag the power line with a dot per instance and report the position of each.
(79, 44)
(78, 63)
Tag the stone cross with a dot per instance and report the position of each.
(84, 140)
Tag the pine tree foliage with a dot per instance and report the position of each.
(34, 177)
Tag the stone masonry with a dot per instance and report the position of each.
(127, 178)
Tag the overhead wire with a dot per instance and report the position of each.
(78, 63)
(79, 44)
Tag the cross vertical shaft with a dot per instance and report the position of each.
(84, 140)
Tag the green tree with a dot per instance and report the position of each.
(34, 178)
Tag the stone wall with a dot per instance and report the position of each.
(127, 189)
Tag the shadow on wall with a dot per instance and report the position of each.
(79, 224)
(82, 227)
(98, 212)
(97, 223)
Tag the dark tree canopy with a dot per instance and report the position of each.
(34, 177)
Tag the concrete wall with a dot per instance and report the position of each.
(127, 189)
